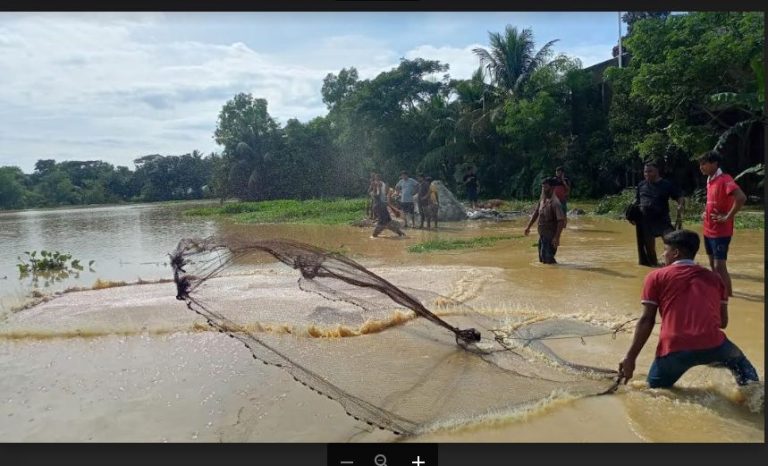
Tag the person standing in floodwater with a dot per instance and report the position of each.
(422, 197)
(562, 189)
(724, 200)
(433, 201)
(551, 219)
(383, 219)
(652, 196)
(471, 185)
(693, 303)
(370, 211)
(407, 188)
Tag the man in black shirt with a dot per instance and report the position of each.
(652, 197)
(470, 183)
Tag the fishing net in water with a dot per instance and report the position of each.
(405, 361)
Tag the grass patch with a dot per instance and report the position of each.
(749, 220)
(447, 245)
(315, 211)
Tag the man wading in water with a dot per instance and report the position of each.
(551, 218)
(383, 219)
(693, 303)
(407, 188)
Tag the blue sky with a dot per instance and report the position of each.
(116, 86)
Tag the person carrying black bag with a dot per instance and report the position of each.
(650, 212)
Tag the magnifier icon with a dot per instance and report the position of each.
(380, 460)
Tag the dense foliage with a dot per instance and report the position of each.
(690, 83)
(156, 178)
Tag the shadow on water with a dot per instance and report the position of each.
(589, 268)
(750, 278)
(755, 298)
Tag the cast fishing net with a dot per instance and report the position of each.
(402, 360)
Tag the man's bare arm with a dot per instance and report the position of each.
(723, 315)
(739, 199)
(643, 330)
(533, 219)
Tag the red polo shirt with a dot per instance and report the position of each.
(689, 298)
(719, 200)
(559, 190)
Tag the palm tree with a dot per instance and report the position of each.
(512, 59)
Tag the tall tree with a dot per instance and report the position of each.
(11, 188)
(249, 137)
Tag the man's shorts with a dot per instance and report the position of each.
(666, 370)
(717, 247)
(407, 207)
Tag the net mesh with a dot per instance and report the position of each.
(400, 359)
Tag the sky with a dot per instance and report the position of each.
(116, 86)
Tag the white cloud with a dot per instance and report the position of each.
(73, 87)
(102, 86)
(462, 61)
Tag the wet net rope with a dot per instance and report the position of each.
(374, 347)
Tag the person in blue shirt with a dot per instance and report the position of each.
(406, 189)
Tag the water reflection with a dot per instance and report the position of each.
(744, 276)
(127, 243)
(749, 296)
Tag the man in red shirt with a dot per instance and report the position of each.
(693, 304)
(724, 199)
(562, 188)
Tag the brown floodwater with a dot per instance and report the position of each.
(133, 364)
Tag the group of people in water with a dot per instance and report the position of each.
(404, 199)
(691, 300)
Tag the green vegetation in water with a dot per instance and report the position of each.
(317, 211)
(615, 206)
(52, 266)
(445, 245)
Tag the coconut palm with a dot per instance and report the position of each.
(512, 58)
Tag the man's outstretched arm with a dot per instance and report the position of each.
(643, 330)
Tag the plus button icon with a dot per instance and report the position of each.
(418, 461)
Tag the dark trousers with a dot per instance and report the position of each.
(546, 250)
(666, 370)
(391, 225)
(646, 233)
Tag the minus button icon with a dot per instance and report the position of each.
(346, 462)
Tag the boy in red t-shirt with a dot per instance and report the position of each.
(693, 304)
(724, 199)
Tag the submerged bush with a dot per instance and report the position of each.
(51, 265)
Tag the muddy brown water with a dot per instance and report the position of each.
(132, 364)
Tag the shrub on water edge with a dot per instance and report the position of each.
(616, 205)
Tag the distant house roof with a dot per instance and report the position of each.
(598, 68)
